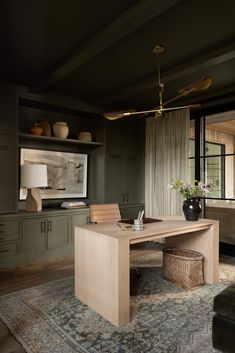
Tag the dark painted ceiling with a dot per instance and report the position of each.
(100, 52)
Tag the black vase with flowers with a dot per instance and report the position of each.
(192, 194)
(192, 209)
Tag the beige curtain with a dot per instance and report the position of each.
(166, 156)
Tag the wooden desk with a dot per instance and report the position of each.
(102, 259)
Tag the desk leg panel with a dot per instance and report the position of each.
(102, 274)
(207, 243)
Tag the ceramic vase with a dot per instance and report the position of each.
(85, 136)
(61, 129)
(192, 209)
(36, 130)
(45, 125)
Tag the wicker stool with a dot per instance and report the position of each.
(184, 267)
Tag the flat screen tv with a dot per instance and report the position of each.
(66, 172)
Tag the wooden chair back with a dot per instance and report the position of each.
(103, 213)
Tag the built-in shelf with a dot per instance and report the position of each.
(31, 137)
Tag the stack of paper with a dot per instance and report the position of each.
(73, 204)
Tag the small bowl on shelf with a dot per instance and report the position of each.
(36, 130)
(85, 136)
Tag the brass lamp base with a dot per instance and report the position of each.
(33, 200)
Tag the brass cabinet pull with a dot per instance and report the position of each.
(127, 197)
(123, 197)
(3, 251)
(2, 231)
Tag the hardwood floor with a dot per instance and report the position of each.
(27, 276)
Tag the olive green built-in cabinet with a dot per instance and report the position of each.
(44, 233)
(9, 237)
(130, 211)
(8, 153)
(33, 235)
(76, 219)
(124, 176)
(115, 174)
(58, 231)
(8, 181)
(28, 237)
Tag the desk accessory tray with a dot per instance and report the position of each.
(145, 220)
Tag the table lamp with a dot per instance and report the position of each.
(33, 176)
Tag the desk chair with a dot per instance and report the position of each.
(103, 213)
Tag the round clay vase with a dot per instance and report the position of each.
(36, 130)
(61, 129)
(45, 125)
(192, 209)
(85, 136)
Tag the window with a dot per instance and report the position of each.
(215, 168)
(212, 153)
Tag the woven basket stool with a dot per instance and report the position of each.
(184, 267)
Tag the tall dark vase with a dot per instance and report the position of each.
(192, 209)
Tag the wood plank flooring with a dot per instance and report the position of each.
(27, 276)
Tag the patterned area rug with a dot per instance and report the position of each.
(165, 318)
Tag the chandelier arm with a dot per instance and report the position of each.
(141, 112)
(160, 84)
(173, 99)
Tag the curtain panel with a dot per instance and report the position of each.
(166, 158)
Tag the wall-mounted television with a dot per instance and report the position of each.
(66, 172)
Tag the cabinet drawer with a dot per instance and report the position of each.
(8, 230)
(8, 249)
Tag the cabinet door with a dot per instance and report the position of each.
(57, 231)
(115, 175)
(78, 219)
(33, 235)
(130, 211)
(133, 176)
(7, 175)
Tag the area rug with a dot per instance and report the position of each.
(165, 318)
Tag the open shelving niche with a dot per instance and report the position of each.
(32, 111)
(35, 138)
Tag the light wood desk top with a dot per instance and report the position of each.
(167, 227)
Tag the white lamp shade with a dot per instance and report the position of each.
(33, 175)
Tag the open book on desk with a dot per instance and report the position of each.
(73, 204)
